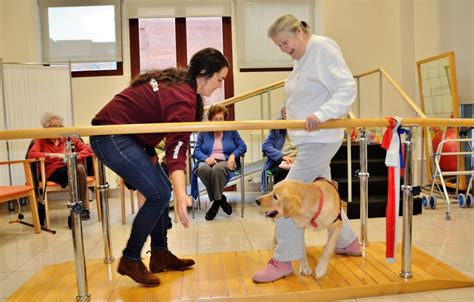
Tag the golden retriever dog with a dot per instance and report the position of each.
(316, 205)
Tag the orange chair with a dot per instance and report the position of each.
(8, 193)
(46, 187)
(51, 186)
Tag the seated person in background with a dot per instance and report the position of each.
(53, 151)
(162, 156)
(280, 153)
(218, 155)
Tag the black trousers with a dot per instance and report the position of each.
(279, 174)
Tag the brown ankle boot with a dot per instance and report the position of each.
(136, 270)
(163, 260)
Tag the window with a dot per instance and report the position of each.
(205, 32)
(157, 43)
(171, 42)
(158, 49)
(85, 32)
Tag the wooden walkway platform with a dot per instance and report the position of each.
(227, 276)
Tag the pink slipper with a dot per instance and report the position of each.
(352, 249)
(273, 271)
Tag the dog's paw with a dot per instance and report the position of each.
(319, 272)
(305, 270)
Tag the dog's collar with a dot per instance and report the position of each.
(320, 207)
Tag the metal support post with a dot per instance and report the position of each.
(76, 224)
(104, 204)
(261, 114)
(358, 98)
(364, 187)
(242, 185)
(349, 164)
(407, 208)
(269, 105)
(380, 94)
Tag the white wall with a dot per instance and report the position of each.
(20, 33)
(368, 33)
(2, 26)
(457, 33)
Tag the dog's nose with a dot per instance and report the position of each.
(257, 201)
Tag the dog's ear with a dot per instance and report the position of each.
(290, 205)
(292, 208)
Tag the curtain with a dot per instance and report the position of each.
(253, 19)
(135, 9)
(30, 91)
(81, 30)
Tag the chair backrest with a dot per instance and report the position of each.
(8, 193)
(35, 167)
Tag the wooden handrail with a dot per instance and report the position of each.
(397, 87)
(222, 126)
(403, 94)
(360, 75)
(247, 95)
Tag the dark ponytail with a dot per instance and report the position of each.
(199, 109)
(168, 76)
(204, 63)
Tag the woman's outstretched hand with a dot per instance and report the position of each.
(181, 200)
(182, 203)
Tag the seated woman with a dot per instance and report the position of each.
(53, 151)
(280, 153)
(217, 154)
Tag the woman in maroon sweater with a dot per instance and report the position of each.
(160, 96)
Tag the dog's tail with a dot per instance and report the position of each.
(344, 206)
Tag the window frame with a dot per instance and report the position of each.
(44, 5)
(181, 53)
(99, 73)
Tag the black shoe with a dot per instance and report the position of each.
(85, 214)
(211, 214)
(69, 222)
(225, 205)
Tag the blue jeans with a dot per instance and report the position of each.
(126, 157)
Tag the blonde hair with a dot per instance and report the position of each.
(289, 24)
(48, 117)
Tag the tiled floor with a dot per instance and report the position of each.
(22, 253)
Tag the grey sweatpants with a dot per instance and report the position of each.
(214, 178)
(311, 162)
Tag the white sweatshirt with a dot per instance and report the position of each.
(321, 84)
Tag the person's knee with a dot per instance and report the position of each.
(203, 169)
(220, 170)
(160, 198)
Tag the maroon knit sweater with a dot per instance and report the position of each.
(147, 103)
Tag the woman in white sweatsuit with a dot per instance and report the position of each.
(320, 88)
